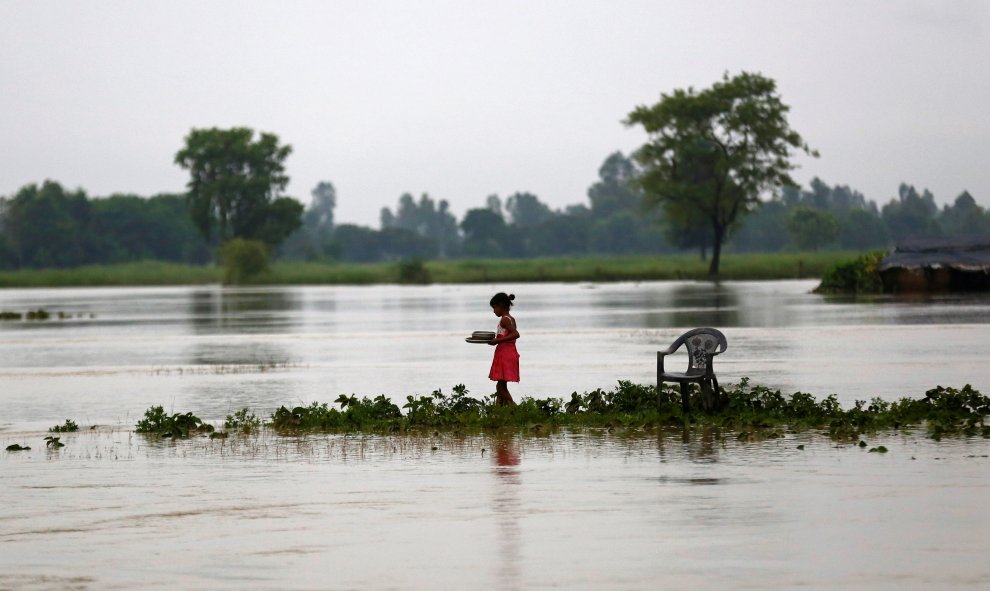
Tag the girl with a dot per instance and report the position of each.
(505, 366)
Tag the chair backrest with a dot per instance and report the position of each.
(700, 341)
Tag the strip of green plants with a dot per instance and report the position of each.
(750, 411)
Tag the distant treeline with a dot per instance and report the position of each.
(49, 226)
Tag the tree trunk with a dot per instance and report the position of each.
(716, 254)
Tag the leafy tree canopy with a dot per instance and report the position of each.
(812, 228)
(713, 152)
(235, 185)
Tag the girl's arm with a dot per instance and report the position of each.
(511, 333)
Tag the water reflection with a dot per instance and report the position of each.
(672, 304)
(508, 509)
(264, 355)
(236, 310)
(704, 304)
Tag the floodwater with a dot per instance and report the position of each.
(214, 350)
(587, 509)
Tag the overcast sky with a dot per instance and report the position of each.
(464, 99)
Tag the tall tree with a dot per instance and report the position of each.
(47, 226)
(616, 189)
(235, 185)
(912, 215)
(319, 214)
(812, 228)
(965, 218)
(484, 233)
(526, 210)
(715, 151)
(428, 219)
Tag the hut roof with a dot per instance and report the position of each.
(968, 254)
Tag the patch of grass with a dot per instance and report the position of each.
(17, 447)
(142, 273)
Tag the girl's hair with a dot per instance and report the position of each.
(502, 299)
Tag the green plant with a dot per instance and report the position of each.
(243, 420)
(413, 271)
(38, 314)
(17, 447)
(243, 260)
(69, 427)
(157, 422)
(861, 275)
(53, 442)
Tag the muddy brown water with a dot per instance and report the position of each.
(588, 509)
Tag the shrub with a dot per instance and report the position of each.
(861, 275)
(413, 271)
(243, 260)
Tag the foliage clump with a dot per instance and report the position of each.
(180, 425)
(69, 426)
(356, 413)
(243, 420)
(861, 275)
(243, 260)
(414, 272)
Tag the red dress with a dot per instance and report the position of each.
(505, 366)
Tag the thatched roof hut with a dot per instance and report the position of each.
(938, 265)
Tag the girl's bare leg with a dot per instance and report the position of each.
(502, 396)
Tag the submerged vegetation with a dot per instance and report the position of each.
(243, 420)
(53, 442)
(157, 422)
(69, 426)
(39, 314)
(752, 413)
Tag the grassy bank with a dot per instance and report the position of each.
(566, 269)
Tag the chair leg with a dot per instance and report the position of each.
(720, 401)
(659, 380)
(684, 398)
(707, 398)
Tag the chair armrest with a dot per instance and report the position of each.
(660, 356)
